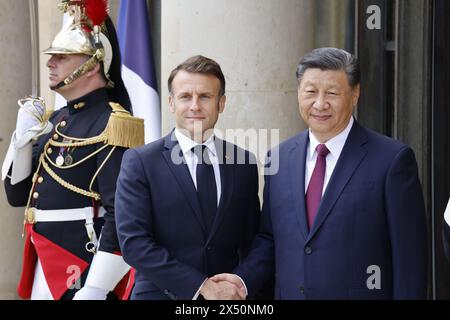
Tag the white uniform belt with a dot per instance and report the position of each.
(86, 213)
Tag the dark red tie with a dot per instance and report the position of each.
(315, 186)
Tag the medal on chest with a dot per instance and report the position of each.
(64, 157)
(68, 160)
(60, 160)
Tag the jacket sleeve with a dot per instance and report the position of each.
(258, 268)
(253, 213)
(106, 181)
(18, 193)
(107, 267)
(446, 239)
(405, 211)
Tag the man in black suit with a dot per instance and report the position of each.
(187, 205)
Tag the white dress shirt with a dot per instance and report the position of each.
(335, 145)
(191, 158)
(447, 213)
(186, 145)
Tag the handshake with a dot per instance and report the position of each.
(224, 286)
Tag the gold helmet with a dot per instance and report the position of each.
(84, 33)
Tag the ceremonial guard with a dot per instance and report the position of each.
(63, 165)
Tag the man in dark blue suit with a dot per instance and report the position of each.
(187, 205)
(344, 216)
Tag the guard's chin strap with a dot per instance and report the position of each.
(84, 68)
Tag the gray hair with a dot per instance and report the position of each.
(331, 59)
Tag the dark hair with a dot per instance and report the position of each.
(331, 59)
(119, 93)
(202, 65)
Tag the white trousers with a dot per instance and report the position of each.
(40, 290)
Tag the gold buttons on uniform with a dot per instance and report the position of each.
(55, 137)
(62, 124)
(40, 180)
(49, 150)
(79, 105)
(35, 195)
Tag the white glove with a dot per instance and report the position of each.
(30, 114)
(91, 293)
(30, 125)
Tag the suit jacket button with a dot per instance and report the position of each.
(209, 248)
(308, 250)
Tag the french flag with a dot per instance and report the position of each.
(138, 69)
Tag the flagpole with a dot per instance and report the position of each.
(34, 26)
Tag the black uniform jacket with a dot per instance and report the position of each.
(82, 118)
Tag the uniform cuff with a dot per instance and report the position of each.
(106, 271)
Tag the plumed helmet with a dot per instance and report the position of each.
(84, 33)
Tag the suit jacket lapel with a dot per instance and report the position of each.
(182, 175)
(354, 151)
(296, 171)
(227, 166)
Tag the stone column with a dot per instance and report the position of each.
(15, 76)
(258, 44)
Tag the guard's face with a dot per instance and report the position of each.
(195, 102)
(60, 66)
(326, 102)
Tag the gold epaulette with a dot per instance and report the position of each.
(48, 114)
(124, 130)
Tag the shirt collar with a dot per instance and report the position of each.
(187, 143)
(335, 144)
